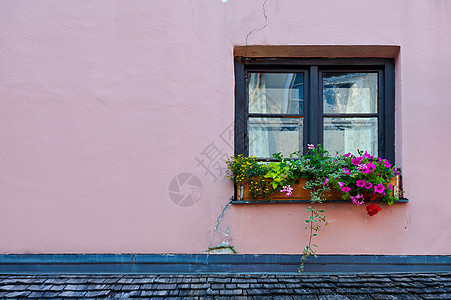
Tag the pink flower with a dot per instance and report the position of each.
(355, 199)
(367, 155)
(347, 154)
(326, 181)
(379, 188)
(311, 146)
(360, 183)
(371, 167)
(387, 164)
(345, 189)
(364, 168)
(346, 171)
(341, 184)
(368, 185)
(357, 161)
(288, 189)
(390, 186)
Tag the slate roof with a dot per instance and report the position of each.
(228, 286)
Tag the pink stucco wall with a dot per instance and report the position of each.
(103, 103)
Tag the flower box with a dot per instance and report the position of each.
(299, 193)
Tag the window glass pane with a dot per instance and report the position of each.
(271, 135)
(350, 92)
(349, 134)
(276, 93)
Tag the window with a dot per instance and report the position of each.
(281, 105)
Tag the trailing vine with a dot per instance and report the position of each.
(316, 217)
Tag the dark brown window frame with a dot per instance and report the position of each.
(313, 114)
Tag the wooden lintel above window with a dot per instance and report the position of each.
(324, 51)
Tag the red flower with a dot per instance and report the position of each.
(369, 196)
(373, 209)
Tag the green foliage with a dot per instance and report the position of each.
(283, 172)
(248, 171)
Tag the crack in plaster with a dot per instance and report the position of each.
(217, 230)
(256, 30)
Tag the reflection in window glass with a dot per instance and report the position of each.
(350, 92)
(349, 134)
(276, 93)
(271, 135)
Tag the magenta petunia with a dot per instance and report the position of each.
(387, 164)
(360, 183)
(390, 186)
(347, 154)
(311, 146)
(368, 185)
(341, 184)
(367, 155)
(363, 168)
(346, 171)
(326, 181)
(357, 161)
(371, 167)
(345, 189)
(379, 188)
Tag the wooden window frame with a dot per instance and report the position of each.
(313, 108)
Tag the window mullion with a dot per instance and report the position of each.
(314, 120)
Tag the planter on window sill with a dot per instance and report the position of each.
(301, 195)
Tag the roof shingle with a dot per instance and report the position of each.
(228, 286)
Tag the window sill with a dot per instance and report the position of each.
(402, 200)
